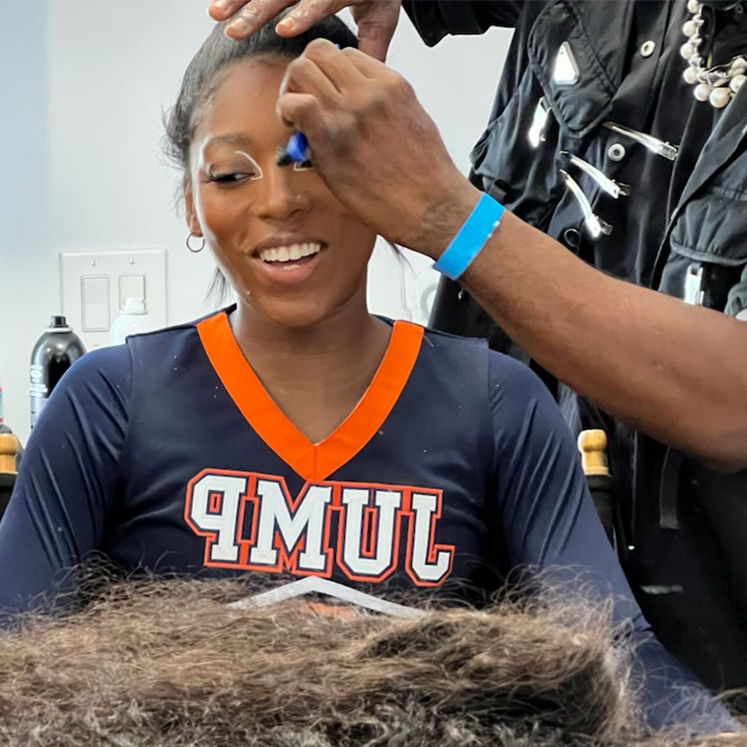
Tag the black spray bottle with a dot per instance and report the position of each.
(55, 351)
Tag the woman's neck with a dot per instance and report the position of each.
(316, 375)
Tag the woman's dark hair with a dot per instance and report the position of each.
(218, 53)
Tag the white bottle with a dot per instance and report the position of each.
(133, 319)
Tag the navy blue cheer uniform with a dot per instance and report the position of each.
(168, 455)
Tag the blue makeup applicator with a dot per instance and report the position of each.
(297, 150)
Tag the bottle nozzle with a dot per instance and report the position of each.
(8, 452)
(593, 447)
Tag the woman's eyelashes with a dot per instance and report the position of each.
(231, 177)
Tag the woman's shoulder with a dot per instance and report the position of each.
(112, 364)
(173, 334)
(470, 351)
(445, 344)
(115, 367)
(506, 385)
(158, 354)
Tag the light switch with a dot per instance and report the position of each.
(95, 298)
(131, 286)
(133, 273)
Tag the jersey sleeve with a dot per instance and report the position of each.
(551, 526)
(67, 482)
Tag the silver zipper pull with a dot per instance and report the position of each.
(660, 147)
(536, 133)
(594, 224)
(610, 186)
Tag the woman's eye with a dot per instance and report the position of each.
(303, 166)
(230, 178)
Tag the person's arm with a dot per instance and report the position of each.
(58, 512)
(676, 372)
(376, 20)
(551, 526)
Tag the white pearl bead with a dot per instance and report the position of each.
(690, 75)
(720, 97)
(739, 64)
(689, 29)
(737, 82)
(687, 50)
(702, 92)
(693, 6)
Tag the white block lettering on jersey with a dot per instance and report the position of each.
(424, 506)
(307, 521)
(387, 503)
(231, 488)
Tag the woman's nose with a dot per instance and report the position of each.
(281, 194)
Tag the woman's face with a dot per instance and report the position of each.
(289, 248)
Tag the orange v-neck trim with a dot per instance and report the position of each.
(311, 461)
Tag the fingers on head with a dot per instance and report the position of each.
(220, 10)
(248, 17)
(307, 13)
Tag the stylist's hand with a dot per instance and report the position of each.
(375, 146)
(376, 19)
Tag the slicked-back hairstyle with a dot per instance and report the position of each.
(219, 53)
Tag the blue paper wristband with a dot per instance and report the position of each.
(472, 237)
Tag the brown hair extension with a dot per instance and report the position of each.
(169, 663)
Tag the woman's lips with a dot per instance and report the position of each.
(290, 252)
(291, 264)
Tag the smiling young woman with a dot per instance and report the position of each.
(295, 256)
(296, 433)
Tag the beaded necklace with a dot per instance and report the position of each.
(717, 84)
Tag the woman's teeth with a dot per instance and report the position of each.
(289, 253)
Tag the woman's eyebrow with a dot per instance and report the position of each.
(236, 138)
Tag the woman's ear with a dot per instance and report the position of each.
(189, 205)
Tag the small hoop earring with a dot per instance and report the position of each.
(189, 245)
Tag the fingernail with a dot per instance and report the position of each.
(220, 5)
(288, 23)
(239, 26)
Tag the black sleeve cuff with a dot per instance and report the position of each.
(435, 19)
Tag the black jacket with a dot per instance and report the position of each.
(684, 215)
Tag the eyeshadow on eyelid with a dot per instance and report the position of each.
(253, 162)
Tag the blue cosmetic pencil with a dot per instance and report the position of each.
(297, 150)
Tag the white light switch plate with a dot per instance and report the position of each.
(87, 279)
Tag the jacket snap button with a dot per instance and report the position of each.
(616, 152)
(572, 238)
(647, 48)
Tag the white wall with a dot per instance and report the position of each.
(82, 160)
(27, 276)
